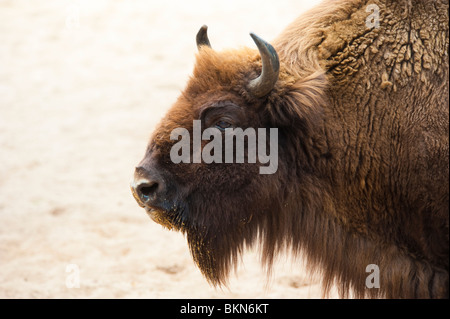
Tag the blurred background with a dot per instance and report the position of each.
(82, 85)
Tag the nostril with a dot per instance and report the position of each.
(147, 186)
(145, 190)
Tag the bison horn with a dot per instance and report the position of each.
(202, 37)
(263, 84)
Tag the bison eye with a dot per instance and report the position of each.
(222, 125)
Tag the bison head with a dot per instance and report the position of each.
(224, 207)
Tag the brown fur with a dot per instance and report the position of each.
(363, 152)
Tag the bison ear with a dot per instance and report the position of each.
(299, 103)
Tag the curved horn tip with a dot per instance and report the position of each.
(265, 47)
(202, 37)
(262, 85)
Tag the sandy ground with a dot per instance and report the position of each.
(82, 84)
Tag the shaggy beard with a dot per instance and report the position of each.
(217, 235)
(213, 260)
(216, 249)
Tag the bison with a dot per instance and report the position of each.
(358, 93)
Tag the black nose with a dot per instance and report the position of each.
(146, 186)
(146, 189)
